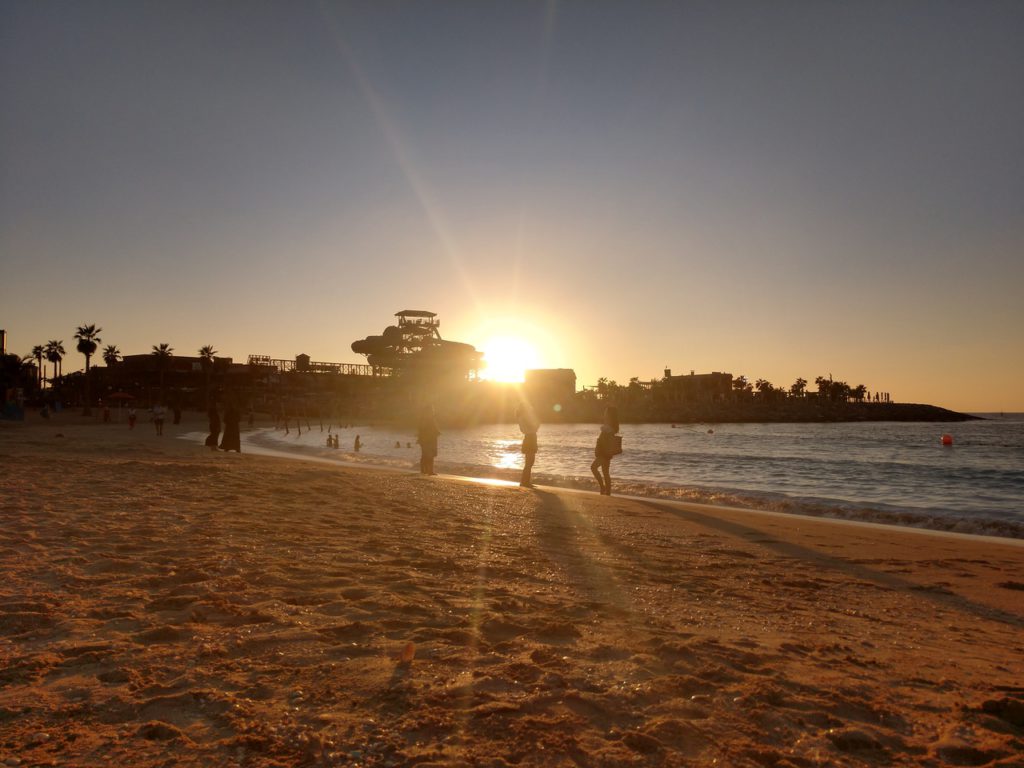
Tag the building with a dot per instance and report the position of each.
(695, 388)
(550, 388)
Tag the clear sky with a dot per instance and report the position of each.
(774, 189)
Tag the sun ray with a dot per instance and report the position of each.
(397, 145)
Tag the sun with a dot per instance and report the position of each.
(507, 358)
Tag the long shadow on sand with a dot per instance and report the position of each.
(806, 554)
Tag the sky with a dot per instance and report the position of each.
(773, 189)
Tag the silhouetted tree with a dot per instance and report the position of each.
(163, 353)
(88, 340)
(55, 354)
(207, 356)
(798, 387)
(824, 387)
(37, 352)
(111, 355)
(15, 371)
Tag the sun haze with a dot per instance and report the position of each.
(508, 358)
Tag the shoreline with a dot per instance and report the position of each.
(260, 450)
(906, 518)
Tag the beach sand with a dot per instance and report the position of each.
(167, 605)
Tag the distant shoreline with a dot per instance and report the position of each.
(786, 412)
(851, 412)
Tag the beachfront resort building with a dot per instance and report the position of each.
(695, 388)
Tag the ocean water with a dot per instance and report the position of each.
(887, 472)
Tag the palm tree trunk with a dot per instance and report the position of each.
(87, 411)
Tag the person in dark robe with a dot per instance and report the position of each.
(214, 417)
(426, 435)
(232, 439)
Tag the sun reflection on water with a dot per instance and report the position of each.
(506, 454)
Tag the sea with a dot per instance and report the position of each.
(899, 473)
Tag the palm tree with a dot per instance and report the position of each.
(37, 352)
(163, 353)
(765, 388)
(111, 354)
(741, 386)
(88, 339)
(797, 390)
(55, 353)
(15, 371)
(824, 387)
(206, 358)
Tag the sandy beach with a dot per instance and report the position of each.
(166, 605)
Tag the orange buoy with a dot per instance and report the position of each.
(947, 439)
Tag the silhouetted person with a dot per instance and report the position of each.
(214, 416)
(528, 426)
(606, 447)
(426, 435)
(131, 418)
(158, 418)
(358, 444)
(232, 439)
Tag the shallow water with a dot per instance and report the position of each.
(881, 471)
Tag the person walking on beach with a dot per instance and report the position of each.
(232, 439)
(607, 446)
(214, 417)
(131, 418)
(528, 426)
(158, 418)
(426, 435)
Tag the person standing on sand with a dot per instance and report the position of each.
(426, 435)
(528, 426)
(158, 418)
(607, 446)
(214, 417)
(232, 439)
(131, 418)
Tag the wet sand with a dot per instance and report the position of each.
(163, 604)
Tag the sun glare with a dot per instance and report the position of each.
(508, 358)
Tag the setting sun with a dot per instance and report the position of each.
(507, 358)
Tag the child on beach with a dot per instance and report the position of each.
(607, 446)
